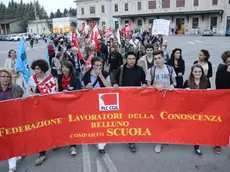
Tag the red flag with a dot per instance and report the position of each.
(94, 36)
(75, 43)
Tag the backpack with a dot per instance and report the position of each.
(153, 70)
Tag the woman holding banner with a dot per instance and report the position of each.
(40, 68)
(197, 80)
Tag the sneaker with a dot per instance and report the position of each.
(198, 152)
(101, 151)
(217, 150)
(20, 159)
(158, 148)
(132, 147)
(73, 151)
(40, 160)
(12, 170)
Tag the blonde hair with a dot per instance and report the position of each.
(74, 49)
(4, 70)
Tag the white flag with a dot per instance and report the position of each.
(118, 36)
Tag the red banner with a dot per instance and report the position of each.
(48, 85)
(105, 115)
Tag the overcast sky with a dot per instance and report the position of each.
(50, 5)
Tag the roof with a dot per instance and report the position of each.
(171, 13)
(8, 21)
(89, 18)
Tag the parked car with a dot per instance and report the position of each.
(227, 32)
(207, 32)
(6, 38)
(1, 37)
(15, 38)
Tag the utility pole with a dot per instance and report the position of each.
(36, 18)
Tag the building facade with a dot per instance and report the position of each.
(11, 26)
(186, 16)
(42, 26)
(62, 25)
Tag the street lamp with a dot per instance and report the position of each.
(36, 18)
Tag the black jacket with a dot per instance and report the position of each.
(222, 77)
(74, 83)
(209, 69)
(115, 60)
(133, 80)
(181, 66)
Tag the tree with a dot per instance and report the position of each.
(73, 12)
(52, 15)
(58, 14)
(65, 13)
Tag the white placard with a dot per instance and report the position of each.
(160, 27)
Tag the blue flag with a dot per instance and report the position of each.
(22, 63)
(47, 54)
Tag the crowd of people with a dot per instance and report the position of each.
(142, 61)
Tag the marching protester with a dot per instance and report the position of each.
(96, 78)
(134, 42)
(77, 63)
(161, 76)
(147, 61)
(103, 50)
(223, 72)
(164, 49)
(51, 51)
(205, 63)
(177, 62)
(56, 65)
(115, 61)
(223, 80)
(130, 75)
(197, 80)
(11, 65)
(9, 90)
(40, 68)
(67, 81)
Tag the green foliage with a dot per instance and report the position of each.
(24, 11)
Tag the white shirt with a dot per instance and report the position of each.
(205, 68)
(162, 76)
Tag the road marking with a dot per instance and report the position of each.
(99, 166)
(109, 163)
(191, 43)
(198, 41)
(86, 158)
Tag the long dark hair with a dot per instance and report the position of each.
(203, 80)
(206, 54)
(172, 58)
(69, 65)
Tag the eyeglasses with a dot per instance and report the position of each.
(8, 77)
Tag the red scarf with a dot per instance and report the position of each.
(65, 82)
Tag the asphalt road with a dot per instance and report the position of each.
(173, 158)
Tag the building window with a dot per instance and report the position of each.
(180, 3)
(213, 23)
(82, 11)
(126, 6)
(195, 3)
(152, 5)
(150, 21)
(126, 22)
(214, 2)
(138, 5)
(102, 9)
(116, 7)
(92, 10)
(195, 23)
(165, 3)
(44, 29)
(139, 22)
